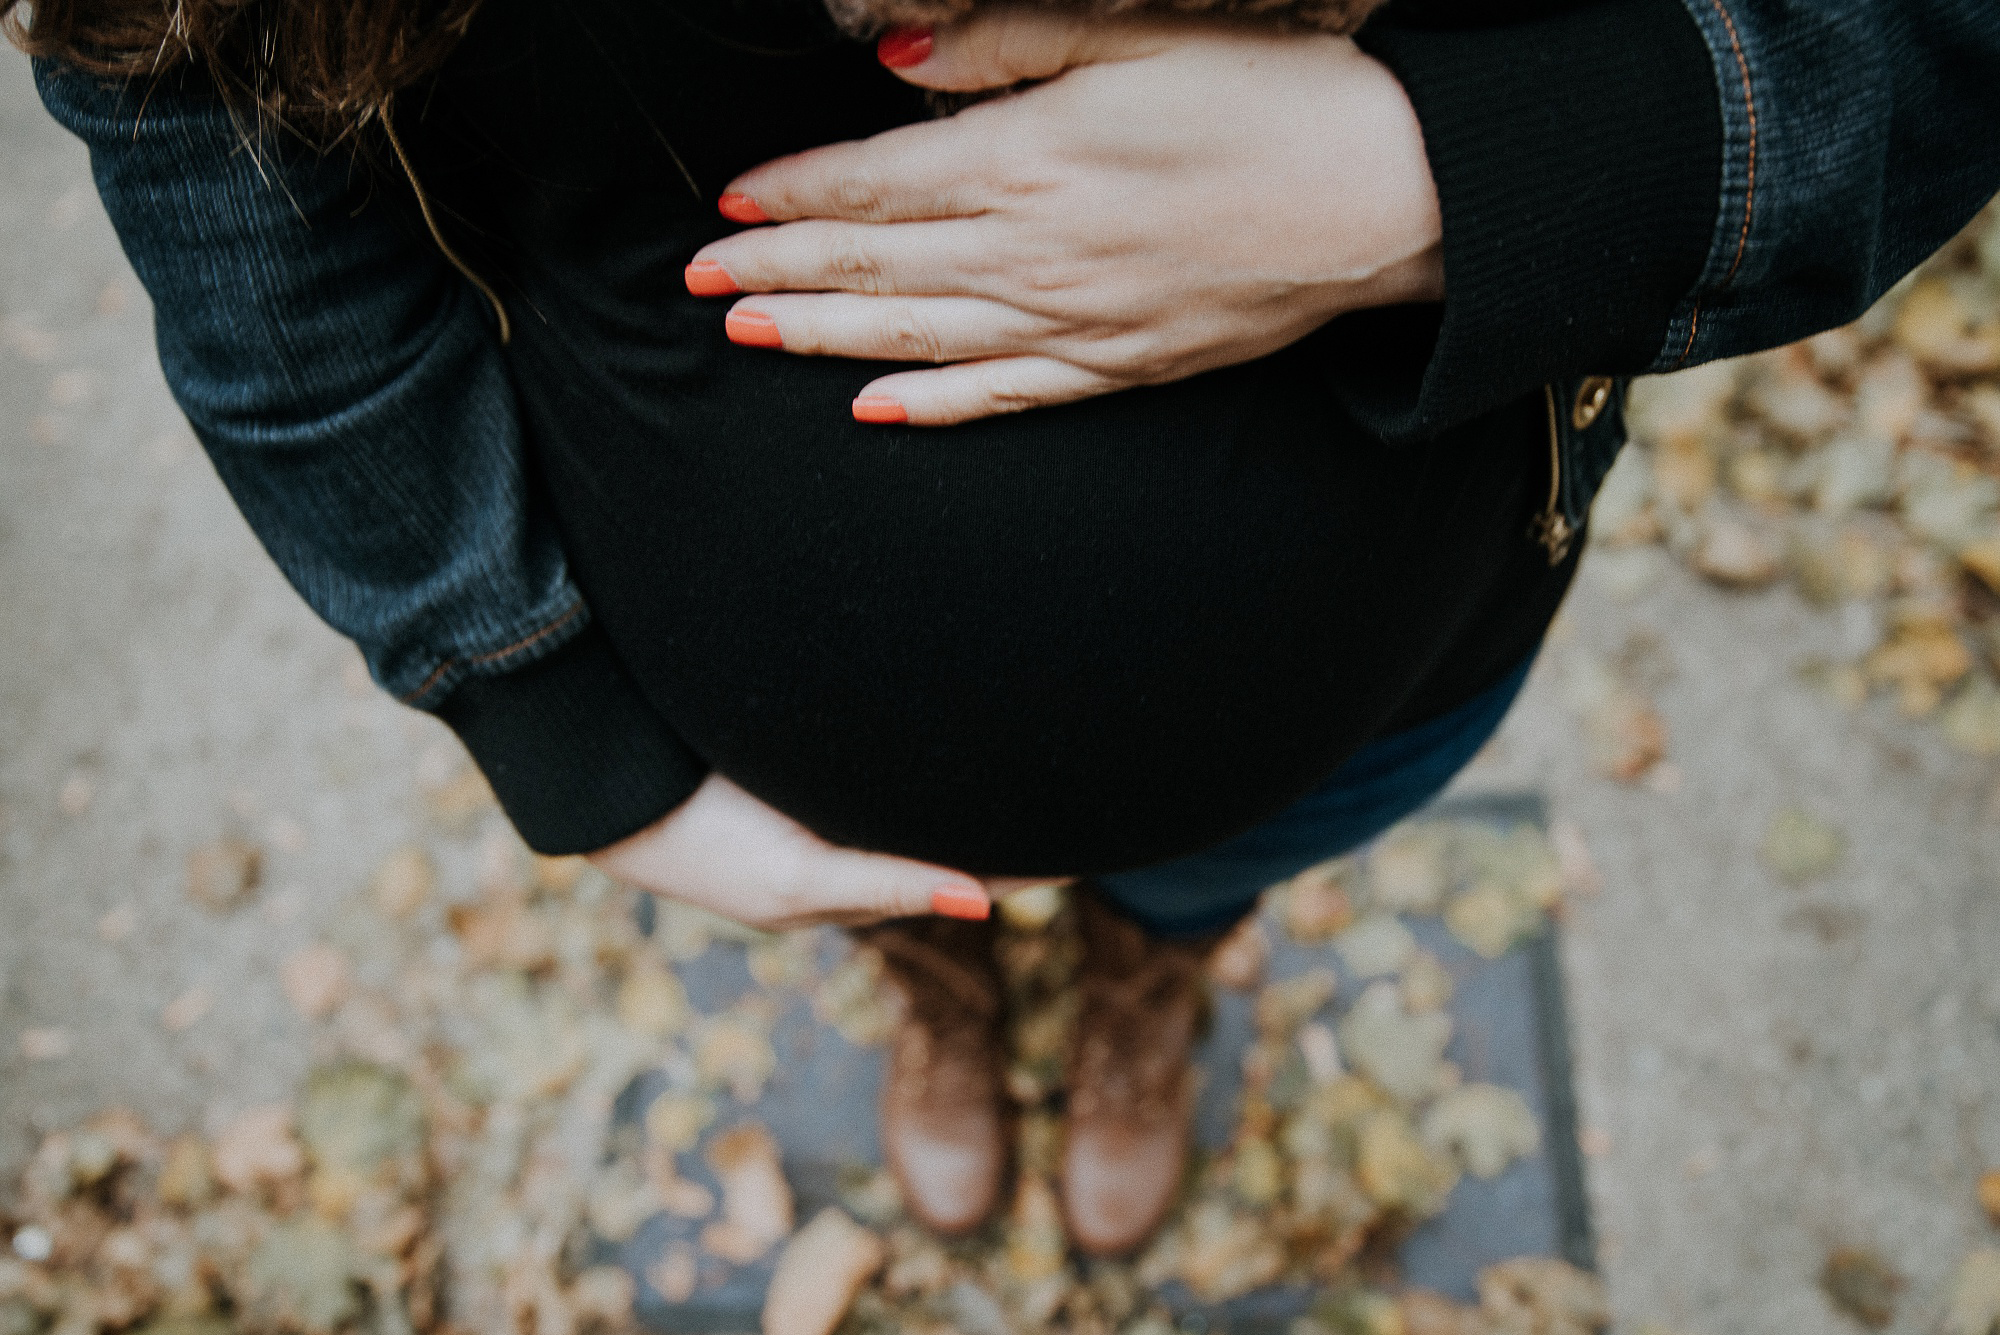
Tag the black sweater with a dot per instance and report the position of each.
(1067, 641)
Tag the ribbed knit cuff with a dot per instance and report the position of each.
(576, 756)
(1578, 161)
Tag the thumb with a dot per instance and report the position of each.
(997, 48)
(858, 885)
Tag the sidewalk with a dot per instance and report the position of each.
(1766, 1073)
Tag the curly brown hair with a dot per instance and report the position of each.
(321, 67)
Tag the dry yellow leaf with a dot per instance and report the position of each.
(818, 1274)
(403, 882)
(224, 874)
(315, 980)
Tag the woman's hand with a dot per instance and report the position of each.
(1178, 195)
(727, 852)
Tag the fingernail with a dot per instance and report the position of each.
(706, 278)
(901, 48)
(740, 208)
(879, 408)
(752, 330)
(955, 901)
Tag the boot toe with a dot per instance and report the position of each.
(1115, 1194)
(950, 1183)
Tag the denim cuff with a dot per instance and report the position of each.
(576, 756)
(1578, 161)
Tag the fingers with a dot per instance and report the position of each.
(728, 852)
(896, 329)
(971, 390)
(1000, 47)
(859, 887)
(812, 255)
(933, 169)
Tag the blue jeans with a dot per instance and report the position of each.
(1378, 786)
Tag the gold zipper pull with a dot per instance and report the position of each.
(1551, 529)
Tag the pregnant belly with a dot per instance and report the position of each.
(1059, 643)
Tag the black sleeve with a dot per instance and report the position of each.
(1578, 160)
(577, 757)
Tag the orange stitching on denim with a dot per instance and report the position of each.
(1750, 186)
(1694, 323)
(1749, 106)
(575, 610)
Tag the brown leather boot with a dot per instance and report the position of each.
(943, 1115)
(1132, 1083)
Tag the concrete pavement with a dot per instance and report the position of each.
(1765, 1072)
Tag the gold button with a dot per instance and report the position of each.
(1591, 396)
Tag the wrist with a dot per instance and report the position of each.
(1398, 221)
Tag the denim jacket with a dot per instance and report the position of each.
(351, 387)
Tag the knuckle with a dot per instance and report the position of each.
(1010, 395)
(855, 269)
(912, 339)
(857, 195)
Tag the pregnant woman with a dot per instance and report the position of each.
(543, 348)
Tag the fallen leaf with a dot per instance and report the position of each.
(1486, 1127)
(652, 1001)
(315, 980)
(1402, 1053)
(1801, 847)
(187, 1177)
(1971, 720)
(1989, 1195)
(1396, 1169)
(403, 882)
(187, 1010)
(1225, 1254)
(1862, 1285)
(1315, 905)
(1238, 963)
(1489, 918)
(1426, 984)
(75, 796)
(675, 1274)
(224, 874)
(1377, 945)
(118, 924)
(1945, 332)
(1624, 735)
(1407, 871)
(1032, 908)
(676, 1120)
(1974, 1305)
(1036, 1247)
(1735, 555)
(503, 933)
(734, 1051)
(604, 1293)
(458, 803)
(301, 1277)
(358, 1118)
(1543, 1295)
(256, 1148)
(756, 1200)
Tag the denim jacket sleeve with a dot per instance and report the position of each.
(350, 389)
(1632, 186)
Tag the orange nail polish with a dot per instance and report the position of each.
(740, 208)
(901, 48)
(706, 278)
(752, 330)
(880, 408)
(955, 901)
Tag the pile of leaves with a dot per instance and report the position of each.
(1862, 467)
(444, 1168)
